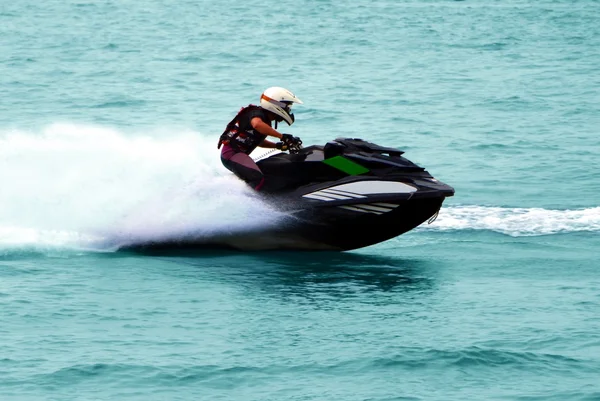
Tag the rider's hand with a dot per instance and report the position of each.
(281, 146)
(290, 140)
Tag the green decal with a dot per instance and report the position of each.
(345, 165)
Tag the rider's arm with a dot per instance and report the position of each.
(264, 128)
(267, 144)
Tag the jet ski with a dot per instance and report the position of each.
(344, 195)
(350, 193)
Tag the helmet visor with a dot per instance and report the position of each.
(288, 109)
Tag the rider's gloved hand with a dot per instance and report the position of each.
(281, 146)
(291, 140)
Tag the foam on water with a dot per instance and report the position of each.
(96, 187)
(517, 221)
(82, 185)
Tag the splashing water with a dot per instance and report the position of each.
(72, 185)
(517, 221)
(96, 187)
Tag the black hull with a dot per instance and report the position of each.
(317, 230)
(362, 231)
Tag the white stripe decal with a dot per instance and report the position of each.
(374, 208)
(327, 195)
(355, 209)
(376, 187)
(315, 196)
(346, 193)
(333, 195)
(362, 189)
(390, 205)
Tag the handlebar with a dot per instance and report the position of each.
(293, 144)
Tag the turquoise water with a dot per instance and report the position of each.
(109, 116)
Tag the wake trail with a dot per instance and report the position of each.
(80, 186)
(517, 221)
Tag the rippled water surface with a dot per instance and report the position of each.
(109, 116)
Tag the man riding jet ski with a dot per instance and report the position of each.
(250, 129)
(343, 195)
(346, 194)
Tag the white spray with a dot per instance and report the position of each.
(517, 222)
(95, 187)
(73, 185)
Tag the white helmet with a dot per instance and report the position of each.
(279, 101)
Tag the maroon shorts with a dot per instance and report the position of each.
(243, 166)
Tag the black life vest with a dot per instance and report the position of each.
(241, 140)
